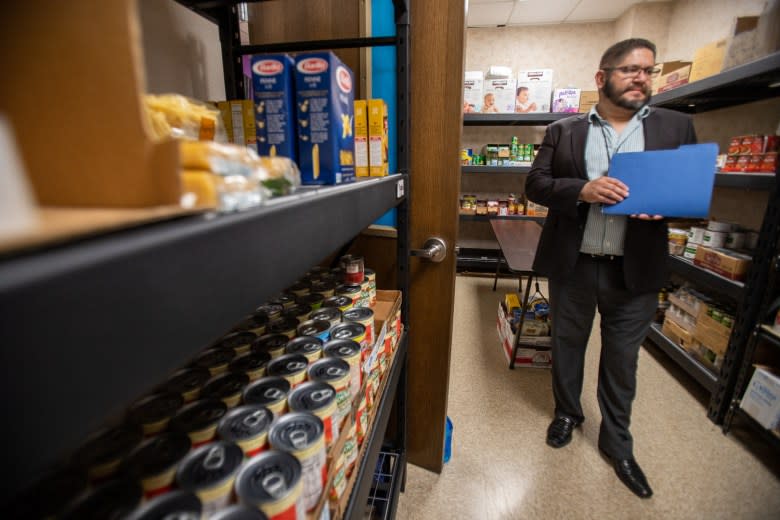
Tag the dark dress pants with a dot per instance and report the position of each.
(597, 283)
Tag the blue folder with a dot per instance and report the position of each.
(672, 183)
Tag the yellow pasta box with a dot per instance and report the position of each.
(361, 138)
(377, 137)
(326, 108)
(224, 110)
(242, 123)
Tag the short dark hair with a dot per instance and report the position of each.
(615, 53)
(520, 89)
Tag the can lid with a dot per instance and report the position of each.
(239, 512)
(312, 298)
(328, 369)
(348, 288)
(249, 361)
(358, 314)
(226, 385)
(109, 445)
(244, 422)
(337, 301)
(270, 342)
(113, 499)
(59, 488)
(157, 455)
(296, 431)
(288, 364)
(341, 348)
(270, 476)
(311, 396)
(187, 380)
(176, 505)
(348, 330)
(313, 327)
(284, 298)
(155, 408)
(215, 357)
(304, 345)
(282, 325)
(300, 285)
(326, 283)
(269, 310)
(198, 415)
(209, 465)
(267, 390)
(299, 309)
(327, 314)
(235, 340)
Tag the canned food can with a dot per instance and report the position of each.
(696, 235)
(238, 512)
(247, 426)
(271, 311)
(365, 317)
(353, 269)
(309, 346)
(272, 482)
(154, 462)
(325, 287)
(372, 385)
(735, 240)
(210, 472)
(320, 399)
(256, 324)
(299, 311)
(270, 392)
(355, 332)
(690, 251)
(103, 452)
(273, 344)
(199, 420)
(313, 300)
(180, 505)
(316, 328)
(330, 314)
(227, 388)
(335, 372)
(188, 383)
(292, 367)
(371, 277)
(714, 238)
(339, 301)
(112, 499)
(350, 450)
(153, 413)
(252, 364)
(723, 227)
(352, 291)
(285, 325)
(238, 341)
(751, 240)
(349, 351)
(285, 300)
(300, 288)
(339, 484)
(216, 360)
(303, 436)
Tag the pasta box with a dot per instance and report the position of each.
(274, 98)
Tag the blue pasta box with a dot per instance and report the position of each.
(325, 106)
(273, 82)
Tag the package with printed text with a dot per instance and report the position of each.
(274, 98)
(534, 90)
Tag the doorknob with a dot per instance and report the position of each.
(434, 249)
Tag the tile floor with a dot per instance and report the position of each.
(501, 467)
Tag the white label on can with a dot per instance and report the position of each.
(313, 478)
(210, 508)
(379, 343)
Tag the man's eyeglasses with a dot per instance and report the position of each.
(631, 71)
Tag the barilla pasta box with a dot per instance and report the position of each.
(361, 138)
(273, 81)
(377, 137)
(325, 104)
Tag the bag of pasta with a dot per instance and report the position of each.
(173, 115)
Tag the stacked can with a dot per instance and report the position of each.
(299, 312)
(271, 311)
(313, 300)
(350, 352)
(317, 328)
(215, 360)
(365, 317)
(270, 392)
(273, 344)
(371, 279)
(336, 373)
(153, 413)
(248, 427)
(176, 504)
(188, 383)
(253, 324)
(326, 288)
(154, 462)
(361, 419)
(199, 420)
(102, 454)
(339, 301)
(285, 300)
(354, 331)
(292, 367)
(309, 346)
(287, 325)
(240, 341)
(272, 482)
(210, 472)
(227, 388)
(352, 291)
(253, 364)
(300, 288)
(320, 399)
(350, 451)
(330, 314)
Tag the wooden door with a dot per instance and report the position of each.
(437, 37)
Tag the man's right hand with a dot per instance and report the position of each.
(605, 190)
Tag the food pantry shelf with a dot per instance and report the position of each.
(699, 372)
(540, 119)
(540, 220)
(96, 322)
(752, 181)
(707, 278)
(495, 169)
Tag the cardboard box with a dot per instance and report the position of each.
(473, 92)
(502, 94)
(534, 352)
(326, 108)
(377, 138)
(725, 262)
(672, 73)
(243, 123)
(762, 398)
(224, 110)
(540, 85)
(681, 318)
(679, 335)
(274, 95)
(361, 138)
(712, 334)
(708, 60)
(588, 99)
(566, 100)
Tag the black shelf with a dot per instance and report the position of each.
(495, 169)
(742, 84)
(714, 281)
(89, 326)
(766, 334)
(750, 181)
(486, 218)
(356, 505)
(693, 367)
(541, 119)
(769, 437)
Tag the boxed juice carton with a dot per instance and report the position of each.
(326, 108)
(361, 138)
(566, 100)
(499, 96)
(274, 97)
(472, 92)
(539, 86)
(377, 137)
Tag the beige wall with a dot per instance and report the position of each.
(648, 20)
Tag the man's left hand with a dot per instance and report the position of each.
(645, 216)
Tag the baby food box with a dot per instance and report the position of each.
(540, 85)
(273, 83)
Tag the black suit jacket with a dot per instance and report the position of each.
(556, 179)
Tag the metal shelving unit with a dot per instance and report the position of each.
(540, 220)
(496, 169)
(706, 377)
(748, 181)
(725, 286)
(540, 119)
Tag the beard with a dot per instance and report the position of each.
(631, 104)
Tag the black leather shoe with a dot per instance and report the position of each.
(559, 431)
(629, 472)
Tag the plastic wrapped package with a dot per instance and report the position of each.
(173, 115)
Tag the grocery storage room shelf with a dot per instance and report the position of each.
(765, 434)
(699, 372)
(540, 119)
(478, 244)
(745, 83)
(495, 169)
(356, 506)
(540, 220)
(88, 326)
(696, 274)
(767, 334)
(752, 181)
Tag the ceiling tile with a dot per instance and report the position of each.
(489, 14)
(599, 10)
(534, 12)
